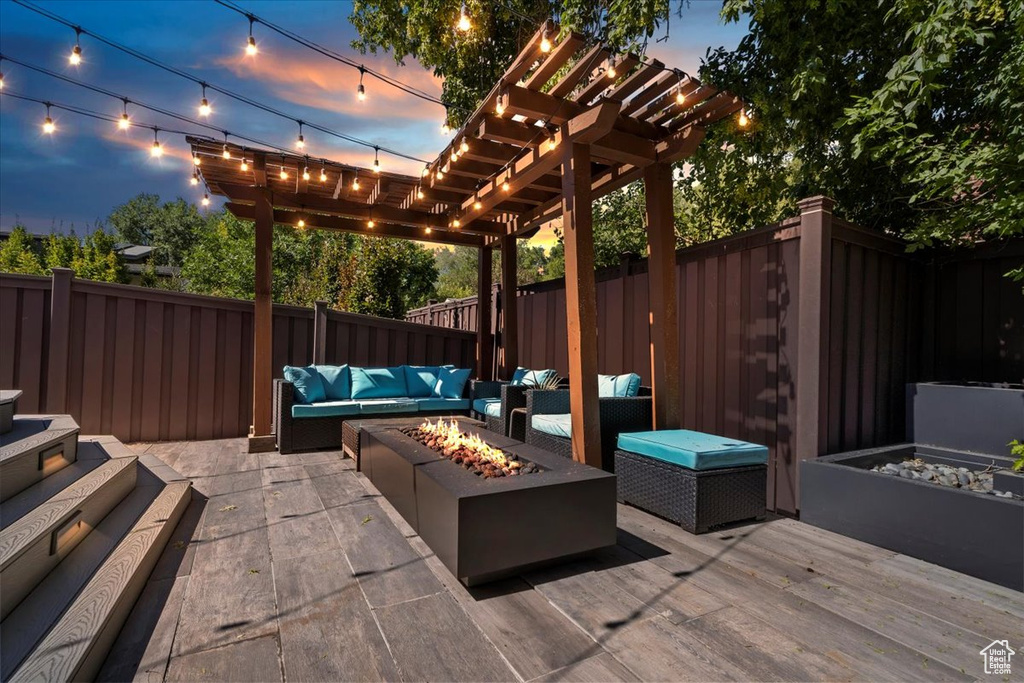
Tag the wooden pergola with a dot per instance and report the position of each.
(560, 129)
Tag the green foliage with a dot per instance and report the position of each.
(389, 276)
(62, 250)
(148, 276)
(1017, 451)
(97, 260)
(470, 63)
(457, 269)
(950, 113)
(18, 254)
(171, 228)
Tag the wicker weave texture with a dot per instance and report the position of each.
(697, 500)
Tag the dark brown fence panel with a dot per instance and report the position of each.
(366, 340)
(24, 337)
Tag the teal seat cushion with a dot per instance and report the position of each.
(337, 381)
(308, 386)
(694, 450)
(619, 386)
(555, 425)
(325, 409)
(420, 379)
(378, 382)
(434, 404)
(387, 405)
(451, 382)
(531, 378)
(488, 406)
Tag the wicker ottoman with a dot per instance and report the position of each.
(698, 499)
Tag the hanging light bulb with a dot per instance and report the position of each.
(196, 160)
(505, 186)
(455, 156)
(301, 223)
(464, 23)
(244, 166)
(440, 174)
(456, 223)
(376, 160)
(157, 149)
(545, 39)
(355, 182)
(124, 123)
(305, 173)
(477, 205)
(552, 142)
(445, 130)
(426, 170)
(300, 142)
(612, 73)
(76, 52)
(323, 174)
(370, 223)
(284, 172)
(48, 124)
(427, 230)
(743, 121)
(227, 152)
(206, 199)
(1, 78)
(680, 97)
(250, 47)
(419, 192)
(499, 108)
(361, 90)
(204, 104)
(195, 179)
(464, 147)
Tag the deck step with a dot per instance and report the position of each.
(36, 447)
(8, 408)
(32, 546)
(32, 618)
(76, 646)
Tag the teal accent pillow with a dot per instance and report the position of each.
(451, 382)
(378, 382)
(420, 379)
(308, 386)
(337, 381)
(620, 386)
(531, 378)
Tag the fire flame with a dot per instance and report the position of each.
(450, 436)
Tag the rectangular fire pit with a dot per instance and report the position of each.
(486, 528)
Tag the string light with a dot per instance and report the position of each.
(440, 174)
(499, 108)
(552, 142)
(505, 186)
(300, 142)
(323, 174)
(48, 126)
(464, 23)
(157, 149)
(464, 147)
(426, 170)
(743, 120)
(76, 52)
(457, 223)
(1, 75)
(204, 104)
(477, 205)
(376, 160)
(419, 192)
(427, 230)
(545, 39)
(195, 179)
(250, 47)
(680, 97)
(284, 171)
(355, 181)
(227, 152)
(301, 223)
(445, 130)
(370, 223)
(244, 166)
(361, 90)
(305, 173)
(124, 123)
(612, 73)
(195, 159)
(206, 199)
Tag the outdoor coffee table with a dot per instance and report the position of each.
(350, 428)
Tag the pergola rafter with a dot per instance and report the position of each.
(556, 132)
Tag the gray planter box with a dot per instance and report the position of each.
(966, 416)
(975, 533)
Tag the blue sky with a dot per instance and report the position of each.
(76, 176)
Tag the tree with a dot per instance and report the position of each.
(457, 269)
(471, 62)
(171, 228)
(97, 260)
(61, 250)
(18, 253)
(390, 276)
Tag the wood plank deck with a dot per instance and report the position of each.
(292, 567)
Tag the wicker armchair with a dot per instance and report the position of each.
(618, 414)
(512, 396)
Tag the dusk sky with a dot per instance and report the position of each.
(77, 175)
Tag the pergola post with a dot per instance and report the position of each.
(580, 302)
(260, 438)
(509, 317)
(662, 294)
(483, 314)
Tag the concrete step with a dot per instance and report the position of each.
(31, 547)
(35, 447)
(76, 646)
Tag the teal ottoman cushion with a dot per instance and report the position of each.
(308, 386)
(337, 381)
(488, 406)
(420, 379)
(555, 425)
(325, 409)
(451, 382)
(434, 404)
(378, 382)
(387, 405)
(620, 386)
(694, 450)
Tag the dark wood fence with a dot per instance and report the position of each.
(147, 365)
(886, 317)
(457, 314)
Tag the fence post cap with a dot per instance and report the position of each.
(816, 203)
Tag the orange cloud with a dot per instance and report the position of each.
(315, 81)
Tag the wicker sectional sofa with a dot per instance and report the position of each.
(302, 424)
